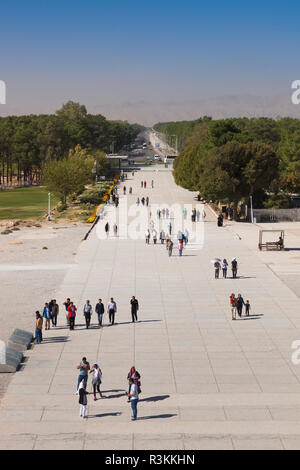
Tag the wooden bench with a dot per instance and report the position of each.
(271, 246)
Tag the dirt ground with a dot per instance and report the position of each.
(34, 261)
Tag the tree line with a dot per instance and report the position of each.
(230, 160)
(27, 143)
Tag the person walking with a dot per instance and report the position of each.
(138, 201)
(111, 309)
(186, 236)
(72, 315)
(142, 184)
(135, 376)
(239, 305)
(185, 213)
(106, 228)
(67, 304)
(154, 236)
(170, 247)
(167, 213)
(234, 268)
(134, 398)
(47, 316)
(198, 215)
(54, 312)
(162, 237)
(115, 230)
(147, 201)
(82, 399)
(99, 309)
(145, 184)
(38, 327)
(83, 367)
(224, 268)
(143, 200)
(147, 236)
(180, 247)
(232, 300)
(217, 267)
(124, 190)
(152, 184)
(130, 190)
(87, 312)
(96, 380)
(170, 228)
(203, 215)
(247, 306)
(134, 308)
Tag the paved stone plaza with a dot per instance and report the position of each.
(208, 382)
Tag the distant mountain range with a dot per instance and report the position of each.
(148, 113)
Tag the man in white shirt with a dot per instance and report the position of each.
(134, 397)
(111, 309)
(87, 312)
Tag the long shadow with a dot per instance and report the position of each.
(113, 391)
(291, 249)
(103, 415)
(251, 317)
(56, 339)
(155, 398)
(118, 395)
(167, 415)
(128, 322)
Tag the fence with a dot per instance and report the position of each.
(276, 215)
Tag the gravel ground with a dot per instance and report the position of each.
(30, 274)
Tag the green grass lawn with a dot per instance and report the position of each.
(25, 203)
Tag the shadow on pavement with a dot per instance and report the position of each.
(56, 339)
(103, 415)
(155, 398)
(158, 416)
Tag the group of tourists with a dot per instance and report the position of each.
(223, 265)
(50, 314)
(196, 215)
(133, 378)
(237, 304)
(143, 201)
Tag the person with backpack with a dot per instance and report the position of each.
(54, 312)
(87, 312)
(72, 315)
(170, 247)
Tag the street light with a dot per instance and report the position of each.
(49, 206)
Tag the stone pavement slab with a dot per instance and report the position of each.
(207, 382)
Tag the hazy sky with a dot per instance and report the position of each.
(138, 59)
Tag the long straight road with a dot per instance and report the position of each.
(207, 381)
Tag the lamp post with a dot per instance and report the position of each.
(49, 206)
(251, 206)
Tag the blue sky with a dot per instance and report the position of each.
(113, 53)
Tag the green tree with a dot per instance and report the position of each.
(235, 171)
(68, 175)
